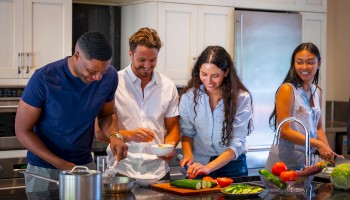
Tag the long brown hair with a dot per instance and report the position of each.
(231, 87)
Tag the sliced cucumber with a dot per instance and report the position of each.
(188, 184)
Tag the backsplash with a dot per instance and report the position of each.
(337, 111)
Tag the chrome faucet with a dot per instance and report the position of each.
(307, 137)
(307, 184)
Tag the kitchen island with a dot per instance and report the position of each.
(321, 191)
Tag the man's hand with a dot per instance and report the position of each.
(66, 165)
(142, 135)
(169, 156)
(119, 148)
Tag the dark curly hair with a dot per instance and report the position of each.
(231, 87)
(95, 46)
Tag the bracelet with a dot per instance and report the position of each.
(118, 135)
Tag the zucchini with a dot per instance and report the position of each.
(273, 179)
(187, 183)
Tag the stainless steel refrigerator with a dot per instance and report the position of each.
(264, 43)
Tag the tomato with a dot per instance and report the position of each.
(278, 167)
(208, 178)
(290, 175)
(224, 181)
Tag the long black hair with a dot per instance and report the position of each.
(231, 87)
(293, 78)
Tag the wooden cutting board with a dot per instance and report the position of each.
(165, 187)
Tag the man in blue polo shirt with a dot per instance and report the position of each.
(56, 113)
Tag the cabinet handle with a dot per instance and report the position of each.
(20, 59)
(8, 106)
(29, 60)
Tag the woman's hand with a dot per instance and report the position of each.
(196, 169)
(326, 153)
(187, 160)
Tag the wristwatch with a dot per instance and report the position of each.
(118, 135)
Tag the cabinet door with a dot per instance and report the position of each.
(314, 26)
(134, 17)
(177, 27)
(215, 27)
(47, 32)
(11, 40)
(314, 5)
(291, 5)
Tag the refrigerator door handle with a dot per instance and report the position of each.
(241, 48)
(239, 45)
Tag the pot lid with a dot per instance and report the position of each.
(80, 171)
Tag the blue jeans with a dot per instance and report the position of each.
(234, 168)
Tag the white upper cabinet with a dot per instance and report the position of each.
(314, 29)
(287, 5)
(185, 29)
(178, 29)
(11, 40)
(34, 33)
(314, 5)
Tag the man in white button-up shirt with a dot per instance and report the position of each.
(146, 104)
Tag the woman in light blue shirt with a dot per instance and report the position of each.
(215, 118)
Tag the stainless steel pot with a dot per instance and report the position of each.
(78, 183)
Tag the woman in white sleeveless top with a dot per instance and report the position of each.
(299, 96)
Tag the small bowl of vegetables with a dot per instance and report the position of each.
(284, 181)
(242, 190)
(276, 185)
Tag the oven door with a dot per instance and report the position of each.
(12, 153)
(12, 182)
(8, 108)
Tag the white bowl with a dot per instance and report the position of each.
(162, 150)
(146, 180)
